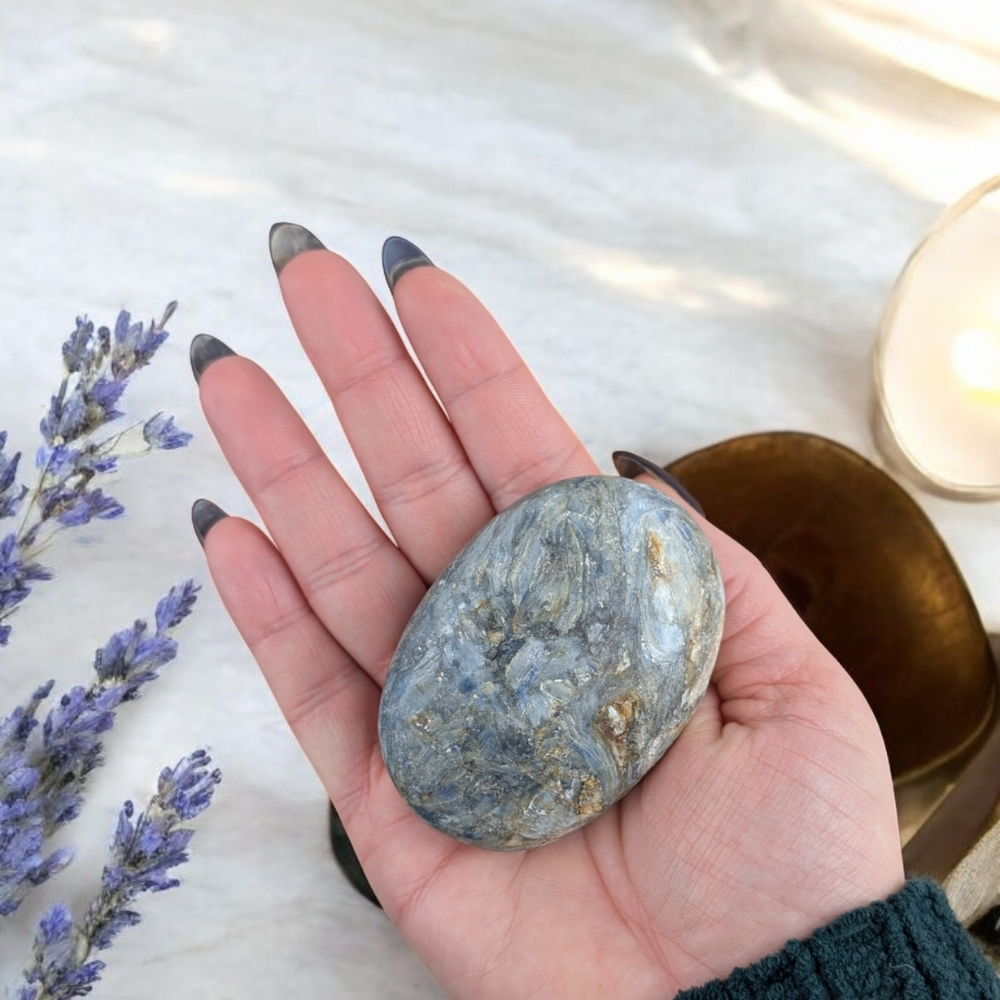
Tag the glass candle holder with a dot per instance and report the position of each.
(937, 359)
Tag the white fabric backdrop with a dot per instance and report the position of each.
(686, 215)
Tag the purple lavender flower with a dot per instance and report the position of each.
(54, 961)
(22, 820)
(97, 368)
(64, 461)
(11, 492)
(133, 346)
(176, 606)
(144, 850)
(79, 508)
(16, 577)
(159, 432)
(78, 351)
(42, 780)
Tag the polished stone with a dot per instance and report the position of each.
(552, 663)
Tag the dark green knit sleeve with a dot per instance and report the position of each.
(909, 947)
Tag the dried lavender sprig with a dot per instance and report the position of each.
(42, 780)
(131, 658)
(97, 368)
(144, 849)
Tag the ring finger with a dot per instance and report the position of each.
(356, 580)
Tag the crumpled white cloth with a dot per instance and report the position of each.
(687, 215)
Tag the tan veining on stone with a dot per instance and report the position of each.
(590, 798)
(614, 722)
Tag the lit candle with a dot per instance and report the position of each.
(937, 362)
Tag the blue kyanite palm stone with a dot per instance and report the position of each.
(552, 663)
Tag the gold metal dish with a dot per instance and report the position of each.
(866, 570)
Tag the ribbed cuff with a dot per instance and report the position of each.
(909, 947)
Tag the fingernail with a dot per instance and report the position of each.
(629, 466)
(204, 350)
(343, 851)
(204, 516)
(288, 240)
(400, 256)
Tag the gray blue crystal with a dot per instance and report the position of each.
(552, 663)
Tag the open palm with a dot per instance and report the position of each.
(771, 814)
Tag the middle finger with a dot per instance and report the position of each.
(418, 472)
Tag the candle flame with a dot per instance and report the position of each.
(975, 359)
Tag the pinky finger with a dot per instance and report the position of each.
(330, 704)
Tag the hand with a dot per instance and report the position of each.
(770, 815)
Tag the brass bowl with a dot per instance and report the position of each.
(866, 570)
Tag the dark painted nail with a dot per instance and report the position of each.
(288, 240)
(204, 350)
(204, 515)
(400, 256)
(343, 851)
(630, 465)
